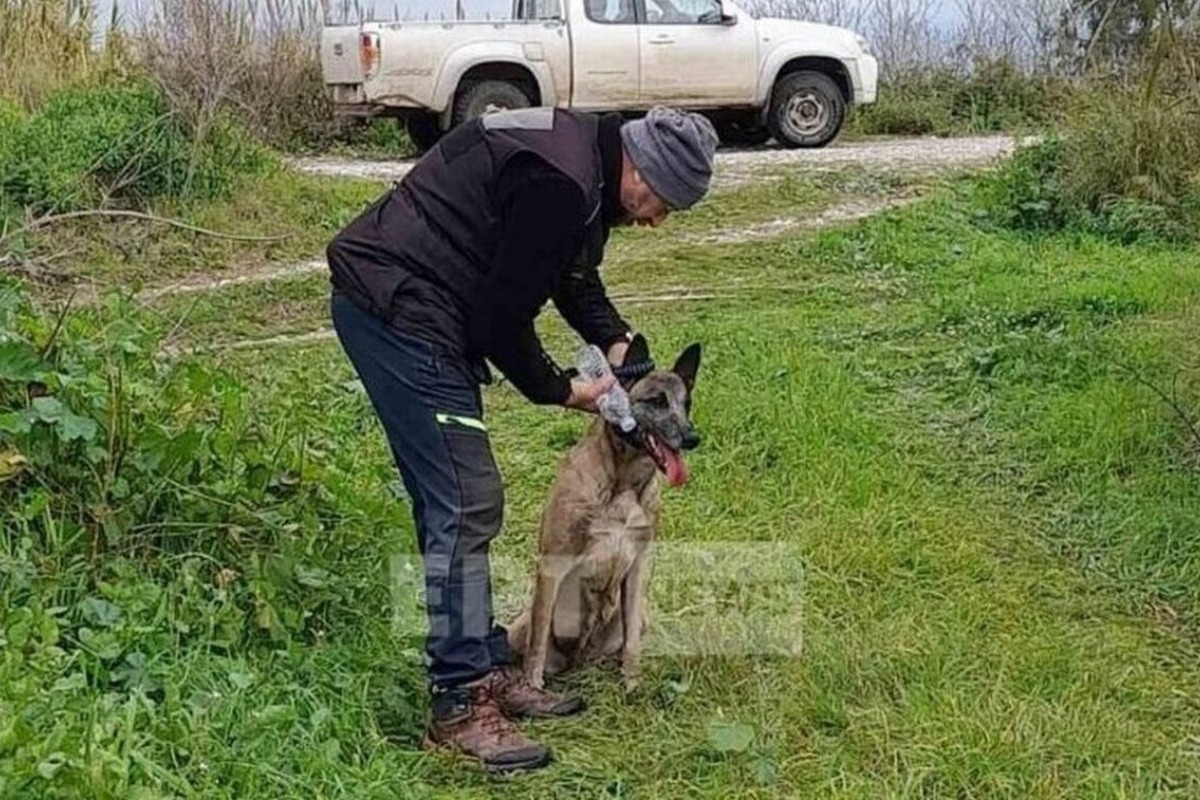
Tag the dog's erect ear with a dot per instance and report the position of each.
(687, 365)
(638, 352)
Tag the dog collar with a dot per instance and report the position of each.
(627, 372)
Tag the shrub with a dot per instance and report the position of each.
(1127, 141)
(1026, 194)
(1126, 164)
(904, 110)
(107, 453)
(11, 121)
(1128, 220)
(119, 142)
(999, 96)
(993, 95)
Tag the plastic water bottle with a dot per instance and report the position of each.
(613, 405)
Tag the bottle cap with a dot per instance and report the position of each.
(628, 424)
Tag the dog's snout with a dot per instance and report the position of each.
(691, 439)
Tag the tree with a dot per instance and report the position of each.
(1114, 35)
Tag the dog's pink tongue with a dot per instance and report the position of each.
(677, 471)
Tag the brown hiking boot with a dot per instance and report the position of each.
(518, 699)
(469, 720)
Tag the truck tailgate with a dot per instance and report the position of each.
(341, 61)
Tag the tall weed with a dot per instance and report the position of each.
(1132, 143)
(44, 45)
(1126, 162)
(118, 143)
(257, 60)
(992, 95)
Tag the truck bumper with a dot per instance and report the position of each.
(347, 94)
(866, 80)
(350, 100)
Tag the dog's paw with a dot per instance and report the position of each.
(634, 691)
(631, 678)
(536, 679)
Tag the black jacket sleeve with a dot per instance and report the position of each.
(581, 299)
(543, 215)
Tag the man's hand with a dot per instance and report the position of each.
(584, 394)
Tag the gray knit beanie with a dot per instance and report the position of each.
(674, 152)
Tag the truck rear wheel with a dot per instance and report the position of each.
(476, 99)
(807, 110)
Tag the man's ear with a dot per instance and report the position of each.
(687, 365)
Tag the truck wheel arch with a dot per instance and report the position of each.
(827, 64)
(465, 66)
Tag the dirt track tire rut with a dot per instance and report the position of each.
(734, 167)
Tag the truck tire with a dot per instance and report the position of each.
(476, 99)
(807, 110)
(423, 130)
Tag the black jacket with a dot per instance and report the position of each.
(507, 212)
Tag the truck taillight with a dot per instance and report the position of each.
(368, 53)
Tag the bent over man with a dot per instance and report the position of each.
(446, 272)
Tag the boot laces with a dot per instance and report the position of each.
(515, 678)
(491, 718)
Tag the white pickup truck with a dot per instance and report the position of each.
(756, 78)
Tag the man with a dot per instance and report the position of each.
(448, 270)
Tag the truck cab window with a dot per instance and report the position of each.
(538, 9)
(619, 12)
(683, 12)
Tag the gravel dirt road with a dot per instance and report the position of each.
(914, 157)
(737, 166)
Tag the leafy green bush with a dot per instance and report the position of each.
(1026, 194)
(164, 545)
(11, 120)
(378, 137)
(903, 110)
(1126, 164)
(1133, 158)
(118, 142)
(994, 95)
(107, 451)
(1129, 220)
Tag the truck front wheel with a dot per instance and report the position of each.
(807, 110)
(476, 99)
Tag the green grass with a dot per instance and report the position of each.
(285, 217)
(994, 529)
(638, 262)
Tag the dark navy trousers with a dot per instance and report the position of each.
(430, 408)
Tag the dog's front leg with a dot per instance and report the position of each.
(550, 574)
(633, 606)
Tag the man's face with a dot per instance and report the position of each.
(639, 203)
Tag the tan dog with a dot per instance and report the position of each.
(589, 596)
